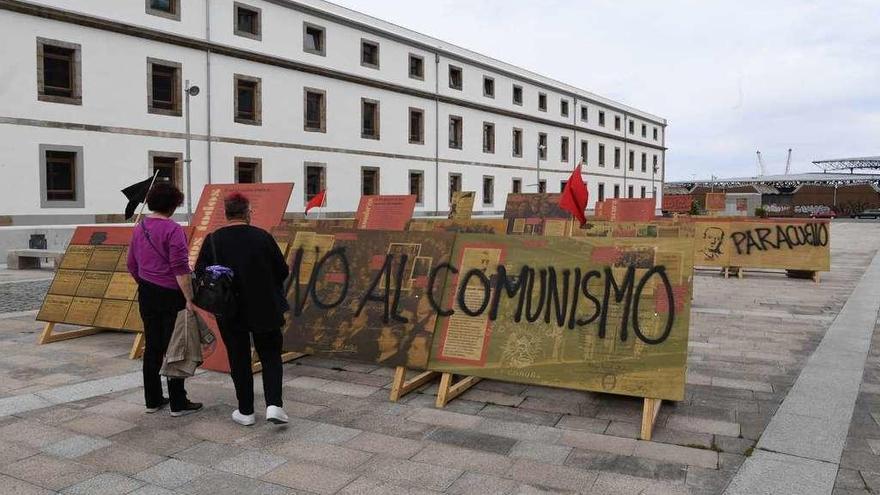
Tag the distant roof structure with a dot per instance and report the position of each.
(781, 180)
(866, 162)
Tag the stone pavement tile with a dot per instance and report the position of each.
(251, 463)
(171, 473)
(217, 430)
(326, 455)
(310, 396)
(551, 405)
(118, 409)
(99, 426)
(19, 487)
(619, 484)
(497, 398)
(541, 452)
(503, 387)
(519, 431)
(48, 472)
(872, 480)
(771, 473)
(301, 409)
(400, 426)
(32, 434)
(548, 475)
(417, 473)
(685, 438)
(55, 415)
(120, 459)
(11, 452)
(217, 483)
(75, 446)
(730, 462)
(21, 403)
(803, 436)
(459, 405)
(593, 425)
(387, 445)
(473, 440)
(464, 459)
(639, 467)
(597, 442)
(702, 425)
(849, 479)
(371, 486)
(155, 441)
(624, 429)
(523, 489)
(104, 484)
(350, 389)
(93, 388)
(733, 444)
(444, 418)
(152, 490)
(208, 453)
(520, 415)
(483, 484)
(309, 477)
(848, 491)
(314, 432)
(706, 480)
(677, 454)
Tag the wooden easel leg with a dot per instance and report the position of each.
(650, 410)
(816, 277)
(137, 347)
(739, 273)
(400, 386)
(449, 391)
(726, 272)
(48, 335)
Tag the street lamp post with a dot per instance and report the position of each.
(188, 91)
(541, 148)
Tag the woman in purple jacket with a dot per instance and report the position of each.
(158, 258)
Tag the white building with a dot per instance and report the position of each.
(92, 99)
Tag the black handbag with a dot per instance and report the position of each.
(213, 291)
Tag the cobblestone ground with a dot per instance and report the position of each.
(71, 414)
(22, 296)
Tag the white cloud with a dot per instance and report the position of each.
(731, 77)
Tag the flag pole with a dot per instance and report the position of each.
(140, 212)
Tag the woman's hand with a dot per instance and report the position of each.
(190, 306)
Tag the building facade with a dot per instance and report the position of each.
(94, 98)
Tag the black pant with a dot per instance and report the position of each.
(159, 307)
(238, 348)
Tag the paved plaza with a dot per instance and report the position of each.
(775, 385)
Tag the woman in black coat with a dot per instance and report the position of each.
(259, 271)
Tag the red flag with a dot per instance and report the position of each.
(574, 196)
(317, 201)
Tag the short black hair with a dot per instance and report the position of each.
(236, 205)
(164, 198)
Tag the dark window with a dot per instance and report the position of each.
(542, 102)
(655, 163)
(416, 126)
(168, 168)
(616, 190)
(602, 119)
(369, 181)
(655, 134)
(370, 54)
(562, 184)
(247, 100)
(313, 39)
(247, 21)
(315, 181)
(489, 87)
(369, 119)
(644, 130)
(247, 171)
(315, 111)
(563, 149)
(455, 77)
(488, 190)
(601, 155)
(58, 71)
(542, 146)
(455, 132)
(585, 113)
(584, 151)
(616, 157)
(416, 67)
(488, 137)
(165, 84)
(517, 95)
(163, 5)
(629, 191)
(601, 192)
(517, 142)
(454, 185)
(563, 108)
(617, 122)
(643, 191)
(416, 185)
(644, 162)
(632, 127)
(61, 176)
(632, 160)
(516, 186)
(542, 186)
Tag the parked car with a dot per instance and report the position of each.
(824, 214)
(869, 213)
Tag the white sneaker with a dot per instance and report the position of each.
(243, 419)
(276, 415)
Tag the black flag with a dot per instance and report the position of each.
(136, 194)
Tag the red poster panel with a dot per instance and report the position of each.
(102, 236)
(268, 203)
(630, 209)
(602, 210)
(677, 203)
(383, 212)
(715, 201)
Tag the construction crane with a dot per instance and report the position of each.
(761, 168)
(788, 163)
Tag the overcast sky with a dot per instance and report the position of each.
(731, 77)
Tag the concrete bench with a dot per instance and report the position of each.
(23, 259)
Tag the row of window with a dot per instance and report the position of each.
(248, 24)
